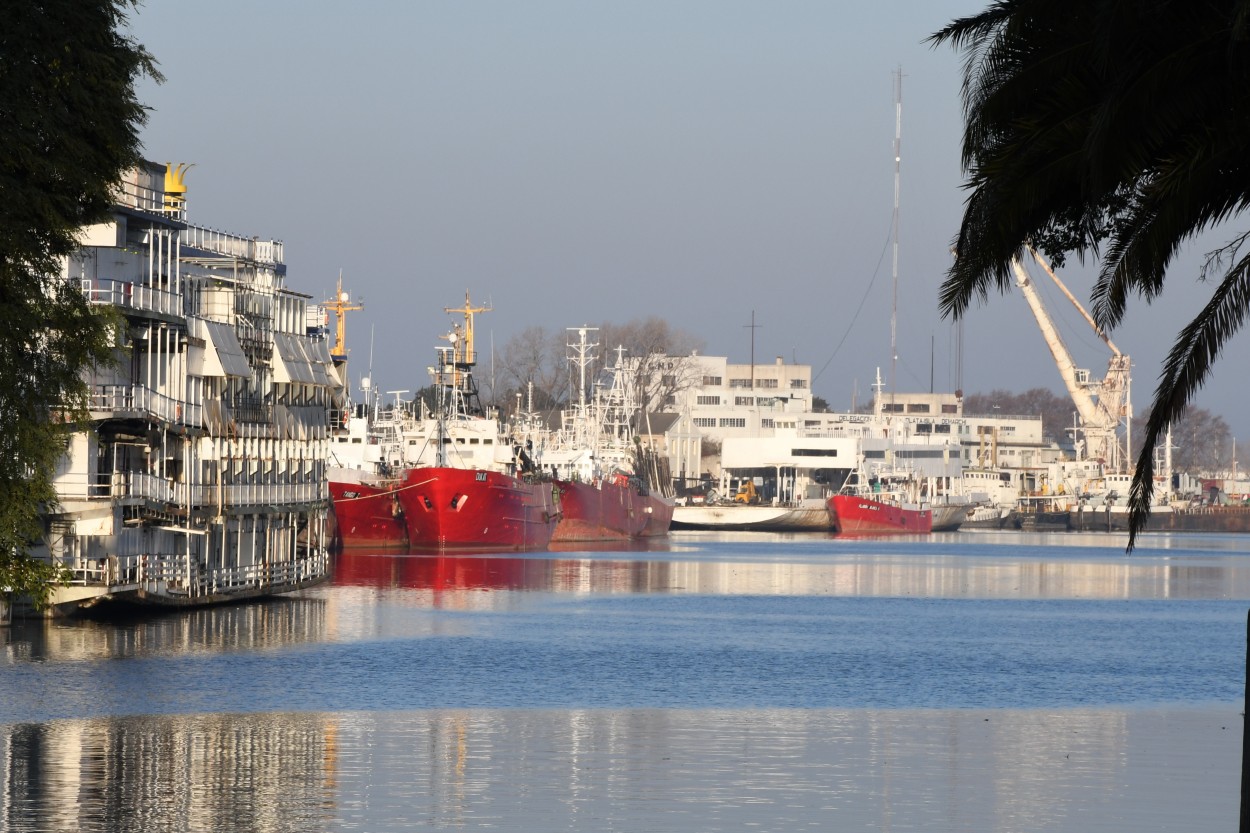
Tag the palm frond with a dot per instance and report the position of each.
(1184, 372)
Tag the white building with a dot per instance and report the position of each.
(202, 477)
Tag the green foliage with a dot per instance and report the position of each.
(1114, 129)
(69, 123)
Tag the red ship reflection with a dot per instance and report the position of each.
(433, 570)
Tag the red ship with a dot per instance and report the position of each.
(454, 508)
(854, 514)
(367, 514)
(464, 485)
(594, 459)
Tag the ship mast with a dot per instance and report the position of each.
(464, 357)
(340, 306)
(898, 140)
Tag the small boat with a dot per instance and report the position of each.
(805, 515)
(1043, 513)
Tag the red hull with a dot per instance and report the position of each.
(367, 515)
(448, 508)
(863, 515)
(659, 512)
(610, 512)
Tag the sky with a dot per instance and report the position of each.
(570, 162)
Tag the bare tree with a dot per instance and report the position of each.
(1201, 442)
(534, 356)
(659, 357)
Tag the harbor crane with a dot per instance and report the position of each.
(1102, 405)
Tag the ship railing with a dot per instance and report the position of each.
(136, 196)
(130, 295)
(232, 245)
(251, 494)
(180, 575)
(140, 399)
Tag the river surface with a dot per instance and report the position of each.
(969, 681)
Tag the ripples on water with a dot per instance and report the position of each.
(718, 684)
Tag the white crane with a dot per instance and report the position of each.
(1101, 405)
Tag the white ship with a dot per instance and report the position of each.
(202, 477)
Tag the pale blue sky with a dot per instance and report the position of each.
(580, 162)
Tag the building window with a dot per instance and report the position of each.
(708, 400)
(766, 383)
(739, 383)
(798, 383)
(733, 422)
(744, 400)
(892, 407)
(918, 408)
(711, 381)
(766, 423)
(668, 380)
(950, 409)
(705, 422)
(942, 429)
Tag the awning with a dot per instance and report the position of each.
(290, 365)
(319, 350)
(222, 354)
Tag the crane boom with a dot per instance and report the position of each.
(1101, 405)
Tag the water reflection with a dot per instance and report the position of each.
(702, 770)
(802, 569)
(267, 624)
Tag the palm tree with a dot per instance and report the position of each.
(1120, 130)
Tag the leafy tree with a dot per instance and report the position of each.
(69, 123)
(820, 405)
(1117, 130)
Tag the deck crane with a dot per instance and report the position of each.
(1101, 405)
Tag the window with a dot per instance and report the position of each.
(813, 452)
(798, 383)
(733, 422)
(705, 422)
(668, 380)
(924, 428)
(918, 408)
(744, 400)
(766, 401)
(892, 407)
(708, 400)
(942, 429)
(950, 409)
(766, 423)
(739, 383)
(711, 381)
(811, 423)
(766, 383)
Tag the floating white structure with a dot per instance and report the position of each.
(202, 477)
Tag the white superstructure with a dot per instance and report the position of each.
(202, 476)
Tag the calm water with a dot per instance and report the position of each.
(974, 681)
